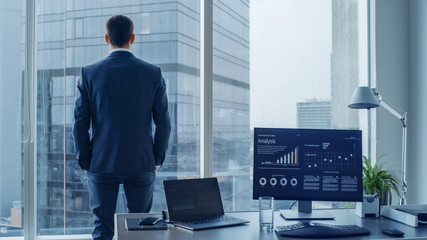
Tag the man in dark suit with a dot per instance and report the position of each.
(120, 98)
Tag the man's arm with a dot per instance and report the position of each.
(82, 125)
(162, 122)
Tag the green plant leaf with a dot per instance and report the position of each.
(379, 179)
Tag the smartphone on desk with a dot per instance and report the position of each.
(149, 221)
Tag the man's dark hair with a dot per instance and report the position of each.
(119, 30)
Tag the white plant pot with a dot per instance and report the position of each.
(370, 207)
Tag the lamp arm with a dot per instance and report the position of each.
(404, 187)
(392, 111)
(403, 118)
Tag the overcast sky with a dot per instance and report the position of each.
(290, 47)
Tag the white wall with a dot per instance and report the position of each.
(401, 48)
(417, 157)
(392, 52)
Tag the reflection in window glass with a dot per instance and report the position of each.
(167, 34)
(13, 118)
(143, 23)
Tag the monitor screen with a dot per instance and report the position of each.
(308, 164)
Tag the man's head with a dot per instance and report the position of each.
(119, 31)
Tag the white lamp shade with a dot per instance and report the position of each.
(363, 98)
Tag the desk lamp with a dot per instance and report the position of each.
(367, 98)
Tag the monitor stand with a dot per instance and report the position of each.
(305, 212)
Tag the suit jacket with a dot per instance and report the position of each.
(120, 98)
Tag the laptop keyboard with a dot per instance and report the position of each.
(223, 218)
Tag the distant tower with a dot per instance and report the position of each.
(344, 62)
(314, 114)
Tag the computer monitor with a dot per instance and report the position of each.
(307, 165)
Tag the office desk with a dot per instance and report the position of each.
(251, 230)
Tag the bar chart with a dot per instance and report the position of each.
(284, 158)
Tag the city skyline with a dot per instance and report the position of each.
(169, 37)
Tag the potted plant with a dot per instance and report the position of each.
(378, 179)
(379, 183)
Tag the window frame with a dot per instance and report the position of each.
(30, 146)
(206, 76)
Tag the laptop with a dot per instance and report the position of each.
(196, 204)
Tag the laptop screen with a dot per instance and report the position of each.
(193, 198)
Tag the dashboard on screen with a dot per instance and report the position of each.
(308, 164)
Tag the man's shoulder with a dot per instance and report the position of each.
(147, 64)
(94, 65)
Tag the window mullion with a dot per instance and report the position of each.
(206, 74)
(372, 81)
(30, 104)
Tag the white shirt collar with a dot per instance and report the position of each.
(119, 49)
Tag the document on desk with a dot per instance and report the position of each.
(416, 212)
(133, 224)
(420, 213)
(414, 215)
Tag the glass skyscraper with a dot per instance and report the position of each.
(71, 35)
(344, 58)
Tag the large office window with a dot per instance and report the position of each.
(278, 63)
(71, 35)
(13, 116)
(282, 64)
(231, 132)
(306, 58)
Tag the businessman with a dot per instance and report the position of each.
(120, 98)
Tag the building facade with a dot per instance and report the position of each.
(314, 114)
(167, 35)
(344, 62)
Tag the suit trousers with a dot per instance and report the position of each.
(103, 193)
